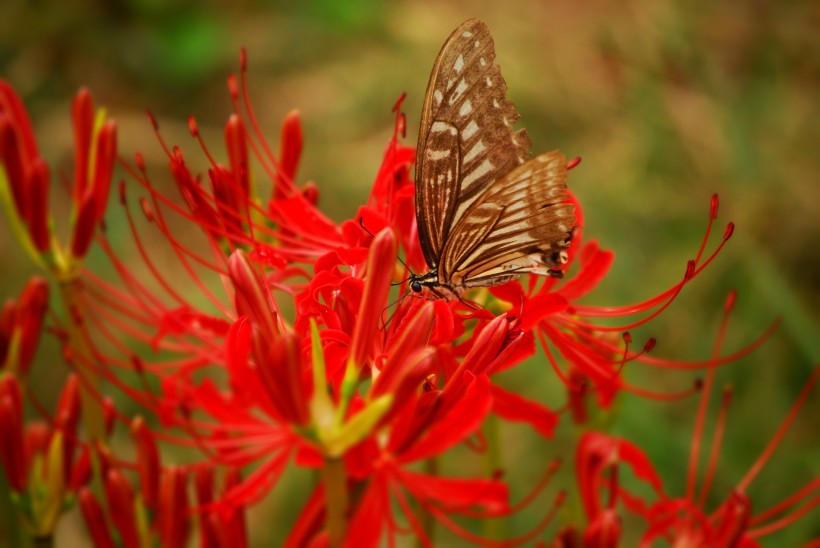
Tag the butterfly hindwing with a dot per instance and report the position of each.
(530, 224)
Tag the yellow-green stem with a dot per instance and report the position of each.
(10, 526)
(335, 478)
(426, 520)
(495, 528)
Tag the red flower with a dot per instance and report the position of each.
(43, 463)
(20, 326)
(319, 370)
(684, 520)
(26, 175)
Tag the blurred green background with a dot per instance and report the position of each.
(667, 103)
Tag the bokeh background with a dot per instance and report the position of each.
(667, 103)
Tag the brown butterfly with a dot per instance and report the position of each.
(485, 212)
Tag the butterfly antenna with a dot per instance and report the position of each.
(404, 264)
(394, 303)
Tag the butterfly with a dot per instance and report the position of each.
(485, 212)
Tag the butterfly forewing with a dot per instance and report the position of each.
(484, 215)
(466, 137)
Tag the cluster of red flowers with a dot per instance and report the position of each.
(278, 344)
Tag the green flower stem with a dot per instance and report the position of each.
(428, 523)
(335, 478)
(10, 526)
(495, 528)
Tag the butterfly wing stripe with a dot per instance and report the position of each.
(468, 234)
(534, 216)
(439, 169)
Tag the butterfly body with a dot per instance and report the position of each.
(486, 214)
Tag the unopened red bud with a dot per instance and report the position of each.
(37, 436)
(730, 229)
(650, 344)
(12, 457)
(204, 485)
(12, 106)
(109, 414)
(280, 369)
(148, 463)
(82, 115)
(104, 456)
(290, 147)
(172, 516)
(37, 187)
(68, 408)
(66, 420)
(713, 206)
(13, 162)
(31, 311)
(8, 320)
(95, 521)
(120, 496)
(252, 298)
(105, 158)
(81, 472)
(380, 262)
(235, 141)
(229, 202)
(84, 225)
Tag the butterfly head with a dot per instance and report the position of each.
(418, 282)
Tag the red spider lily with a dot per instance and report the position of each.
(594, 353)
(20, 326)
(169, 525)
(25, 177)
(684, 521)
(43, 463)
(320, 371)
(425, 425)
